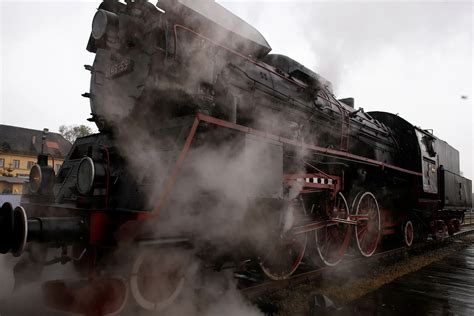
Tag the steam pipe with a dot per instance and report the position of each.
(56, 229)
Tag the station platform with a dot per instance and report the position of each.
(445, 287)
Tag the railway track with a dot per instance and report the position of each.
(255, 291)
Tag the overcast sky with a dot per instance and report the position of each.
(406, 57)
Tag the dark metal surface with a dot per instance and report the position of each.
(448, 156)
(456, 191)
(220, 24)
(445, 287)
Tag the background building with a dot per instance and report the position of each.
(19, 148)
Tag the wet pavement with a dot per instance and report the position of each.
(445, 287)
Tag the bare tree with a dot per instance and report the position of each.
(72, 132)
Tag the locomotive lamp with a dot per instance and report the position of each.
(90, 174)
(41, 179)
(35, 179)
(104, 22)
(42, 175)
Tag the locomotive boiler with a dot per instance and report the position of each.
(206, 139)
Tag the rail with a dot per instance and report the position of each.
(255, 291)
(469, 217)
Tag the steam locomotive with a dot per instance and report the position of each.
(205, 136)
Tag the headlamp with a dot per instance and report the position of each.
(41, 179)
(85, 175)
(36, 176)
(103, 22)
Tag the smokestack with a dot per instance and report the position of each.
(43, 139)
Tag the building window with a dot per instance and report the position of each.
(16, 164)
(57, 167)
(30, 164)
(2, 162)
(7, 190)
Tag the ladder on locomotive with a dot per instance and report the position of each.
(345, 121)
(345, 129)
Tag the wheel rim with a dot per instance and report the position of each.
(157, 280)
(408, 233)
(286, 251)
(332, 241)
(367, 232)
(356, 198)
(457, 225)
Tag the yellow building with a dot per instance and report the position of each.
(19, 148)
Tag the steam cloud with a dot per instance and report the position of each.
(210, 199)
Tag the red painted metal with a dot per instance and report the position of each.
(319, 186)
(309, 191)
(344, 221)
(330, 222)
(276, 255)
(388, 231)
(309, 187)
(408, 232)
(453, 225)
(359, 217)
(310, 227)
(170, 182)
(107, 186)
(333, 240)
(393, 218)
(98, 224)
(284, 253)
(322, 150)
(368, 233)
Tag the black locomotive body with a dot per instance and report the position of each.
(178, 86)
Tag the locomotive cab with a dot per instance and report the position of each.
(441, 194)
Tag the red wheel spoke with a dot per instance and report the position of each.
(362, 237)
(284, 257)
(362, 230)
(332, 243)
(368, 234)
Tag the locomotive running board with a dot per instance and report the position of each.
(172, 178)
(321, 150)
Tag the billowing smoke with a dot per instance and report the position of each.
(221, 177)
(6, 275)
(24, 296)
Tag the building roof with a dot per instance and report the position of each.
(24, 141)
